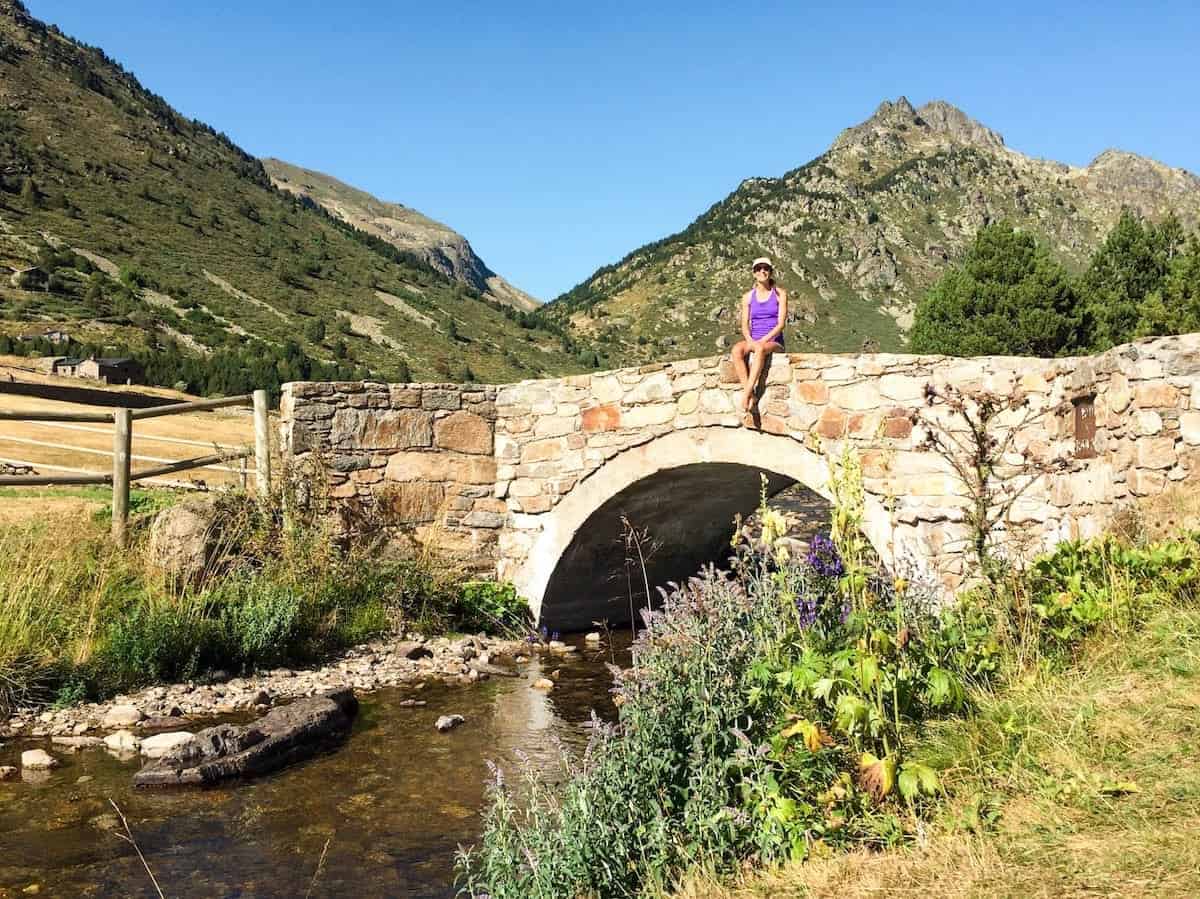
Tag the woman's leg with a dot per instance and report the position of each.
(743, 373)
(756, 369)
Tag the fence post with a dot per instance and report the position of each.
(122, 447)
(262, 445)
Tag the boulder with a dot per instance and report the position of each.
(283, 736)
(122, 741)
(8, 772)
(184, 540)
(164, 744)
(38, 760)
(122, 716)
(413, 651)
(448, 722)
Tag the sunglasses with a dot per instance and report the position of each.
(762, 268)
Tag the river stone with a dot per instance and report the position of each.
(8, 772)
(161, 744)
(413, 651)
(284, 735)
(122, 741)
(77, 742)
(122, 716)
(544, 684)
(592, 637)
(38, 760)
(449, 722)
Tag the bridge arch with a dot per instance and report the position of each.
(685, 487)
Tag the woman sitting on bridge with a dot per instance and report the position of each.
(764, 313)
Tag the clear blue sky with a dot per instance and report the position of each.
(558, 136)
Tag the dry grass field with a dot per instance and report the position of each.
(68, 447)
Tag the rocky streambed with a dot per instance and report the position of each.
(386, 809)
(411, 660)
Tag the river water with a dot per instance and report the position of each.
(393, 803)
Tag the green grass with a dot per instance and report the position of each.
(81, 618)
(1076, 782)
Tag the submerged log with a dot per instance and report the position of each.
(281, 737)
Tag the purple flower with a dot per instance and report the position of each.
(846, 609)
(807, 607)
(823, 557)
(555, 635)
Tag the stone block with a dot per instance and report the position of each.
(897, 427)
(542, 450)
(645, 416)
(523, 487)
(812, 391)
(1189, 428)
(554, 426)
(312, 411)
(715, 400)
(856, 397)
(1155, 452)
(507, 449)
(688, 402)
(1156, 395)
(1148, 422)
(726, 372)
(441, 466)
(1146, 483)
(601, 418)
(402, 396)
(464, 432)
(902, 388)
(606, 389)
(684, 383)
(377, 429)
(655, 388)
(780, 371)
(832, 423)
(434, 398)
(478, 519)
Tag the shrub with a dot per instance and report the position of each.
(492, 607)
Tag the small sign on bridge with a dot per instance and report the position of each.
(1085, 427)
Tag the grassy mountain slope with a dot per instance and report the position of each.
(194, 245)
(406, 229)
(859, 232)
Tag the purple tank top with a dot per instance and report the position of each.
(764, 315)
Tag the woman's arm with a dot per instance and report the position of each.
(778, 329)
(745, 316)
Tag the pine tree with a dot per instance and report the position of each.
(1175, 307)
(1008, 297)
(1131, 264)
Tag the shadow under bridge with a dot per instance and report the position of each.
(676, 499)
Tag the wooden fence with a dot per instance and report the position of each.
(122, 474)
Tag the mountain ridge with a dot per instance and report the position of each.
(860, 231)
(402, 226)
(143, 231)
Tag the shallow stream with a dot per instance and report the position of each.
(393, 803)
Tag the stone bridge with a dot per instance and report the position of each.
(530, 481)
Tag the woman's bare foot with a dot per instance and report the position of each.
(747, 400)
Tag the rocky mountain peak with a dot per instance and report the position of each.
(949, 119)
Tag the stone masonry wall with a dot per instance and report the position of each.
(500, 459)
(420, 455)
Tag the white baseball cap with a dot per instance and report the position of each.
(761, 260)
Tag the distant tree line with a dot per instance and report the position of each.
(1010, 297)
